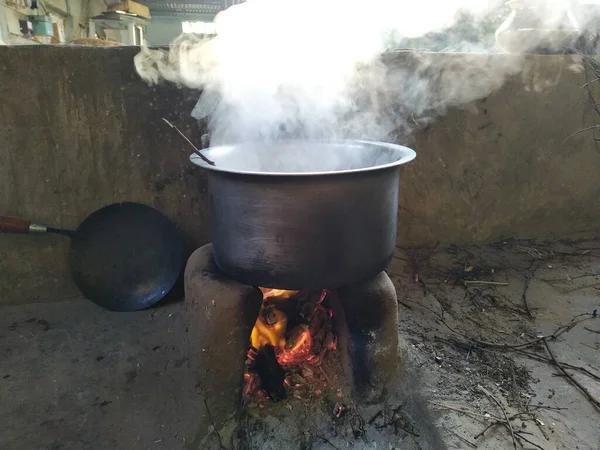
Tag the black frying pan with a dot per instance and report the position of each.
(124, 257)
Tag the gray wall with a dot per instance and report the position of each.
(86, 134)
(162, 30)
(89, 133)
(498, 168)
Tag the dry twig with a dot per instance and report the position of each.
(586, 84)
(327, 441)
(554, 280)
(415, 122)
(537, 422)
(502, 422)
(325, 375)
(519, 435)
(495, 283)
(532, 269)
(553, 408)
(560, 330)
(578, 288)
(570, 366)
(482, 432)
(590, 63)
(593, 127)
(466, 441)
(508, 424)
(464, 411)
(582, 388)
(531, 251)
(524, 296)
(212, 422)
(542, 339)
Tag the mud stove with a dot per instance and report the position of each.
(247, 342)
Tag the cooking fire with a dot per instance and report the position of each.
(293, 331)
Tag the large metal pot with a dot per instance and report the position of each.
(304, 214)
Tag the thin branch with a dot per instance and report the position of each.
(560, 330)
(550, 280)
(324, 439)
(532, 269)
(585, 286)
(594, 67)
(501, 422)
(590, 82)
(590, 397)
(593, 127)
(415, 122)
(495, 283)
(464, 411)
(508, 424)
(592, 64)
(537, 422)
(524, 296)
(520, 436)
(212, 422)
(466, 441)
(570, 366)
(482, 432)
(553, 408)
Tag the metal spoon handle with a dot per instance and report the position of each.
(196, 150)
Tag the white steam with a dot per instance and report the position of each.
(313, 69)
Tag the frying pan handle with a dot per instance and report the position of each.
(18, 225)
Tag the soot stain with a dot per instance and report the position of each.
(130, 376)
(180, 362)
(45, 324)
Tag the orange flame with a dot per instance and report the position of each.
(274, 334)
(280, 293)
(292, 347)
(271, 331)
(299, 352)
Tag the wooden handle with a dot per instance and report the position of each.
(14, 225)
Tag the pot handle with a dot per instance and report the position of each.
(19, 226)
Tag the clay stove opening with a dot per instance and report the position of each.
(251, 343)
(292, 336)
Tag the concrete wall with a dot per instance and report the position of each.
(162, 30)
(89, 133)
(499, 167)
(86, 134)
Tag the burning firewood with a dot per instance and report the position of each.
(269, 372)
(293, 329)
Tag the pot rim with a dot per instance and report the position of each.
(405, 155)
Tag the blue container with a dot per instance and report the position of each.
(42, 25)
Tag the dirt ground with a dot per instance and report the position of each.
(474, 318)
(470, 340)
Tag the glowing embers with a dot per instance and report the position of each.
(294, 330)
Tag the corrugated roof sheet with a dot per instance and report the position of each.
(204, 7)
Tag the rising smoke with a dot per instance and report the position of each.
(314, 69)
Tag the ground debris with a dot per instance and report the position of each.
(476, 351)
(467, 334)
